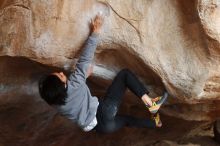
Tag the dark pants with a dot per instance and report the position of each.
(108, 120)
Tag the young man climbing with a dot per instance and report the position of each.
(72, 98)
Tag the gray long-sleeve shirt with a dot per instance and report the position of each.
(80, 105)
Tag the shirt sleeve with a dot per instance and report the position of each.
(80, 74)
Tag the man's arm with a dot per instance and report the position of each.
(85, 59)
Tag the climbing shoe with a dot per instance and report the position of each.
(156, 119)
(157, 103)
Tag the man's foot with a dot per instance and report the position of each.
(157, 103)
(157, 120)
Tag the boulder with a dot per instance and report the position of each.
(172, 44)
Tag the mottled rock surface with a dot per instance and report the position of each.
(169, 44)
(26, 120)
(172, 44)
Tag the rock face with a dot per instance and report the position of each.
(26, 120)
(170, 44)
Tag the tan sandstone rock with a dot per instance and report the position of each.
(172, 44)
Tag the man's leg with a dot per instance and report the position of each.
(120, 121)
(106, 115)
(134, 122)
(125, 79)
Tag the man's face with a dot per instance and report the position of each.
(61, 76)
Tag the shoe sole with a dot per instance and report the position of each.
(154, 109)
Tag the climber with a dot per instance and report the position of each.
(72, 98)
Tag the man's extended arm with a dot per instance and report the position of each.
(85, 59)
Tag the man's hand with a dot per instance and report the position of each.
(97, 23)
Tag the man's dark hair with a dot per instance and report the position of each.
(53, 90)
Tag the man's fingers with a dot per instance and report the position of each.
(100, 19)
(97, 22)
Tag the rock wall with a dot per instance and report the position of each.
(172, 44)
(169, 44)
(26, 120)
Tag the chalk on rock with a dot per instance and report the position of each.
(100, 13)
(103, 9)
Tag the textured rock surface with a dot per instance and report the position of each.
(178, 40)
(26, 120)
(172, 44)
